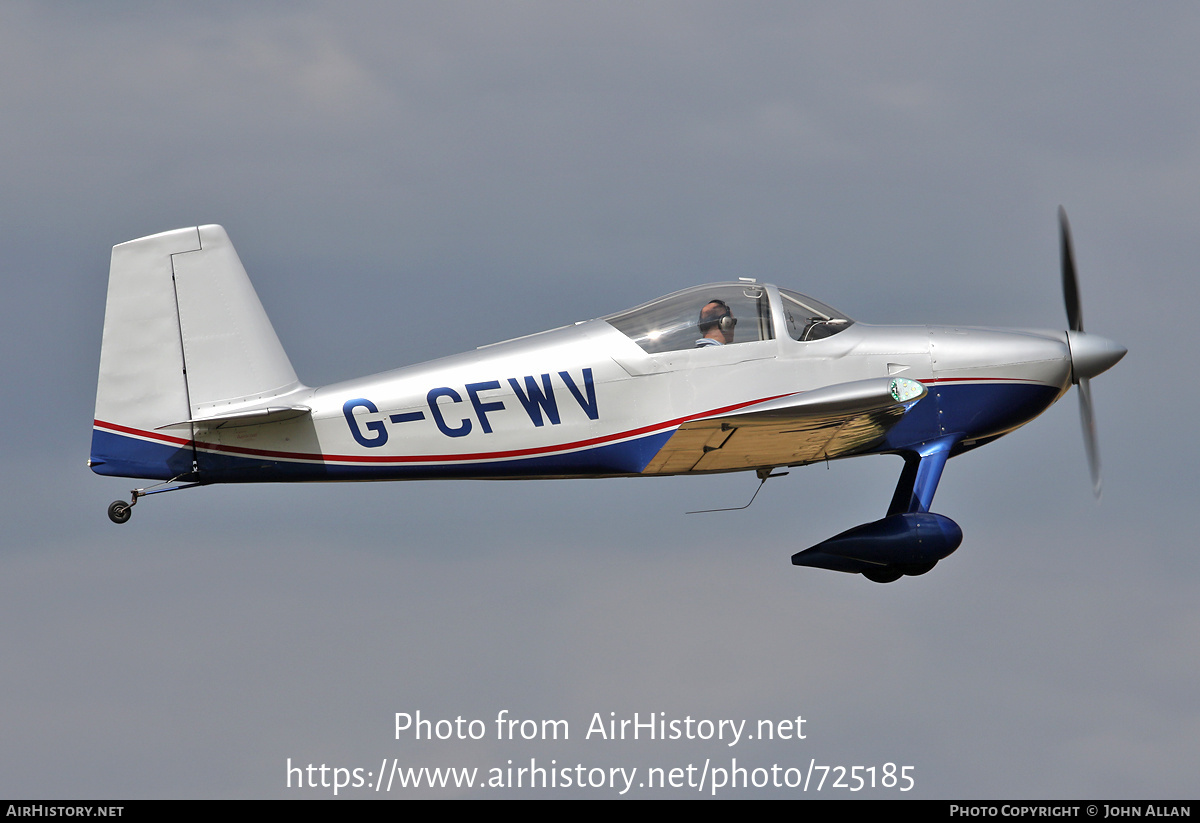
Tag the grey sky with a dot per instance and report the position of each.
(404, 181)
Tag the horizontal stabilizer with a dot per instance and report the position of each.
(248, 417)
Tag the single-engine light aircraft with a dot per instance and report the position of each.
(195, 389)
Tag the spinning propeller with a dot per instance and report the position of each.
(1090, 354)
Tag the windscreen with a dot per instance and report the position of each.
(808, 319)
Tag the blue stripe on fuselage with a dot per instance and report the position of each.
(628, 457)
(119, 455)
(126, 456)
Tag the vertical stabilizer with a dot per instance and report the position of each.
(185, 336)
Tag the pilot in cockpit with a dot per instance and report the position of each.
(716, 324)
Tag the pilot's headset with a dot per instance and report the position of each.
(725, 322)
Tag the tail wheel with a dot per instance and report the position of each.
(119, 511)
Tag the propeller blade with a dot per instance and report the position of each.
(1088, 420)
(1070, 282)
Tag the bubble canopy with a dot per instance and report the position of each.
(682, 321)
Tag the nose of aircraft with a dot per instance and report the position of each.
(1092, 354)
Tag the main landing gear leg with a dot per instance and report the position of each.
(119, 511)
(914, 494)
(922, 470)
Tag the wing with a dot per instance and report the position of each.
(831, 422)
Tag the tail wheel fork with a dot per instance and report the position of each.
(119, 511)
